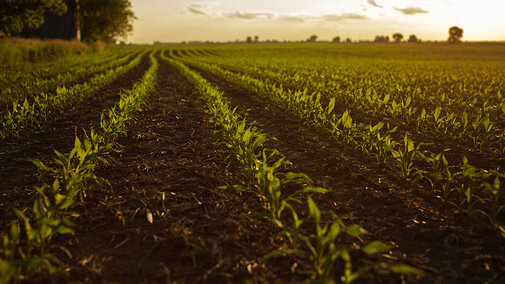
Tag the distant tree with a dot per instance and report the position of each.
(381, 39)
(397, 37)
(455, 34)
(15, 15)
(348, 40)
(249, 39)
(413, 39)
(105, 20)
(336, 39)
(256, 38)
(312, 38)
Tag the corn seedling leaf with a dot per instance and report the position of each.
(375, 247)
(406, 269)
(355, 230)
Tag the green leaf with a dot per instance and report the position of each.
(7, 271)
(406, 269)
(314, 210)
(334, 231)
(41, 165)
(355, 230)
(297, 178)
(278, 253)
(64, 230)
(331, 105)
(315, 189)
(375, 247)
(14, 231)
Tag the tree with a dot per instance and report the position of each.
(455, 34)
(412, 39)
(249, 39)
(348, 40)
(105, 20)
(312, 38)
(15, 15)
(381, 39)
(256, 38)
(398, 37)
(336, 39)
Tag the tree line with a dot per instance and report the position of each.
(99, 20)
(455, 35)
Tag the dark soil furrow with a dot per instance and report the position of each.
(450, 248)
(18, 175)
(200, 233)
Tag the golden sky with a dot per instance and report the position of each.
(229, 20)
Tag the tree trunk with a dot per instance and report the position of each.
(77, 21)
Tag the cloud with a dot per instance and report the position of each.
(292, 18)
(373, 3)
(412, 10)
(248, 15)
(197, 9)
(346, 16)
(205, 10)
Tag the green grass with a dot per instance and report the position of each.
(23, 51)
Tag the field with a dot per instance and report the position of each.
(282, 163)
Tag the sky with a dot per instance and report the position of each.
(292, 20)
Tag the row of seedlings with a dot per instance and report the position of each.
(319, 244)
(27, 243)
(44, 106)
(475, 127)
(28, 85)
(17, 74)
(471, 190)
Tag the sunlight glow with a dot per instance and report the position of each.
(229, 20)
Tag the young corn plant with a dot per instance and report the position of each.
(22, 254)
(377, 144)
(466, 191)
(324, 250)
(407, 155)
(483, 135)
(442, 177)
(491, 198)
(345, 128)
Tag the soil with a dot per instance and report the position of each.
(203, 233)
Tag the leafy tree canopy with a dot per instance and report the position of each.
(455, 34)
(105, 20)
(15, 15)
(397, 37)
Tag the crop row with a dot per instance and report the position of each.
(28, 85)
(27, 243)
(469, 189)
(455, 117)
(320, 244)
(479, 129)
(14, 76)
(473, 86)
(44, 106)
